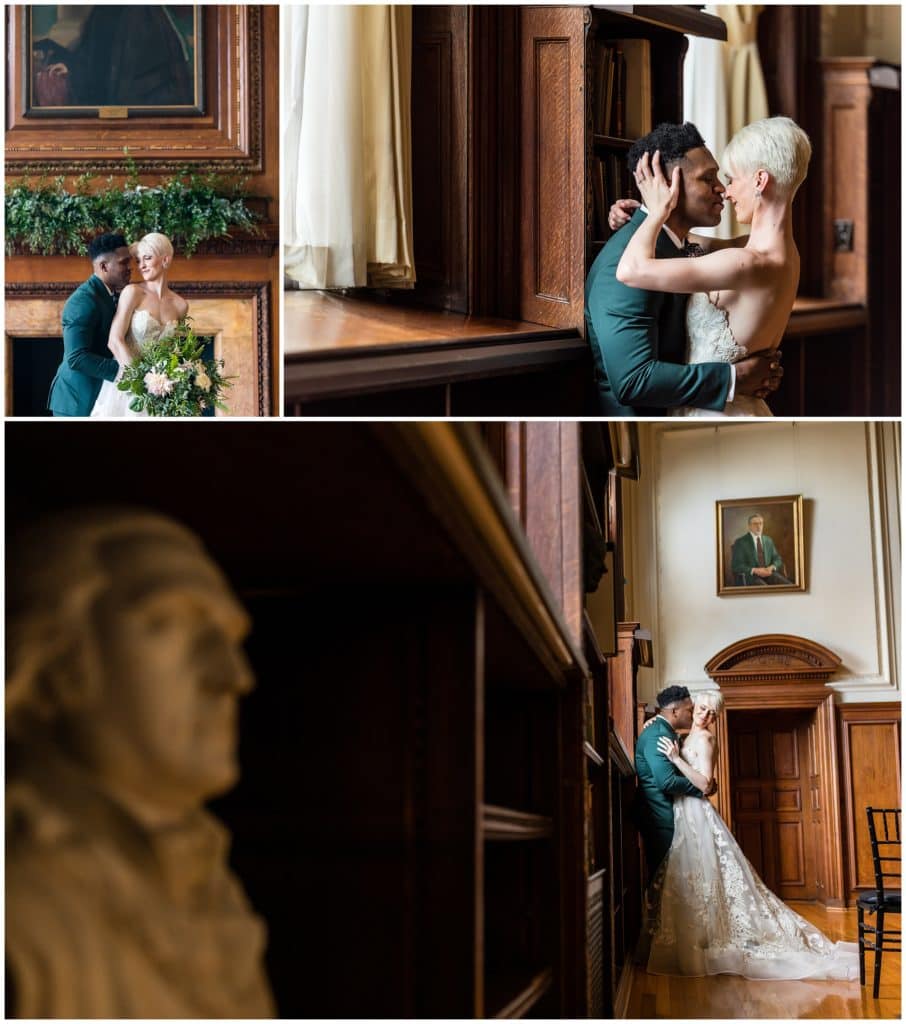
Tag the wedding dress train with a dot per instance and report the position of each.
(716, 916)
(710, 340)
(111, 402)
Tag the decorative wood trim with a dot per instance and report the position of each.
(460, 484)
(528, 997)
(257, 291)
(229, 138)
(772, 658)
(503, 823)
(338, 375)
(239, 244)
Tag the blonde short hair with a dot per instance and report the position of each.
(154, 242)
(775, 144)
(713, 699)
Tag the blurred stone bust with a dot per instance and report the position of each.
(124, 671)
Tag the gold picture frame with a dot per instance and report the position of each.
(765, 558)
(225, 132)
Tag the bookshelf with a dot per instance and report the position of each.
(592, 80)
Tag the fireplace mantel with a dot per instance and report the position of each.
(234, 313)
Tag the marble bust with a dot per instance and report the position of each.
(125, 668)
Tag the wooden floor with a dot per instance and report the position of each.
(654, 996)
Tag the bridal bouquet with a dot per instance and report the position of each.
(170, 377)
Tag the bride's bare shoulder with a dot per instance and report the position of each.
(182, 306)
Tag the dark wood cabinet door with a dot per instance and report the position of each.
(553, 168)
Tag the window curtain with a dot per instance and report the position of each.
(747, 98)
(705, 105)
(347, 196)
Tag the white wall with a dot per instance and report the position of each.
(848, 475)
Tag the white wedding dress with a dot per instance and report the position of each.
(111, 402)
(710, 340)
(716, 916)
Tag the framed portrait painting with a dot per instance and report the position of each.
(760, 545)
(108, 88)
(112, 61)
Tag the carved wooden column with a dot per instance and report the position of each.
(777, 671)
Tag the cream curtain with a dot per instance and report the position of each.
(746, 95)
(705, 104)
(347, 172)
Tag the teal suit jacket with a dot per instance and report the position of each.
(87, 361)
(638, 340)
(659, 783)
(745, 555)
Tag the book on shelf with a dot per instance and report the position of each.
(622, 88)
(636, 87)
(600, 197)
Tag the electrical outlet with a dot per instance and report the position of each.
(843, 236)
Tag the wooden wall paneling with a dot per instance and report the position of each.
(553, 512)
(622, 677)
(495, 161)
(440, 158)
(847, 95)
(870, 773)
(789, 44)
(552, 235)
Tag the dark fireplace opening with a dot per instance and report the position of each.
(34, 363)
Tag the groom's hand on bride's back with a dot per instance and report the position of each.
(759, 375)
(621, 213)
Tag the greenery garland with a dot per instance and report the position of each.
(47, 219)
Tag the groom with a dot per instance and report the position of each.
(659, 780)
(87, 317)
(638, 337)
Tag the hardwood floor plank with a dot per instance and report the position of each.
(730, 997)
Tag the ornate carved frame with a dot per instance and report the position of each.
(212, 314)
(228, 138)
(776, 670)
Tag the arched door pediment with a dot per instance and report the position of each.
(772, 657)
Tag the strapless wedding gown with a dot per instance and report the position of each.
(716, 916)
(111, 402)
(710, 340)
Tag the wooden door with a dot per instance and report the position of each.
(773, 784)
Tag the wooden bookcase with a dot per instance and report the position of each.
(411, 818)
(560, 47)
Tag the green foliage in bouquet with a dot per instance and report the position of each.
(171, 378)
(47, 219)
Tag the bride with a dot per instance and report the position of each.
(740, 297)
(145, 312)
(715, 915)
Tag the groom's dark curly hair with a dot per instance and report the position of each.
(671, 695)
(104, 244)
(673, 140)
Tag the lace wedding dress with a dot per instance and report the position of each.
(710, 340)
(111, 402)
(716, 916)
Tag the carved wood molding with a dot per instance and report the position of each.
(772, 658)
(228, 138)
(257, 404)
(240, 244)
